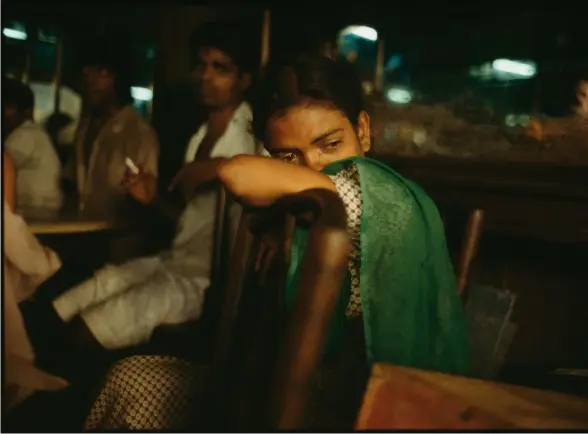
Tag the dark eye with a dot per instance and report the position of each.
(289, 157)
(331, 146)
(221, 67)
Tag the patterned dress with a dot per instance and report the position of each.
(160, 392)
(148, 393)
(349, 190)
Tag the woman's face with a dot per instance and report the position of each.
(315, 135)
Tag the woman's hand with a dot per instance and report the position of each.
(142, 186)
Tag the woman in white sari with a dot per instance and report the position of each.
(26, 265)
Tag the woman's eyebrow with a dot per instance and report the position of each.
(324, 135)
(281, 150)
(285, 150)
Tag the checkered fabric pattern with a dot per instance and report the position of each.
(349, 190)
(148, 393)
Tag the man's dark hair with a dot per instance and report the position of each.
(17, 94)
(308, 77)
(230, 37)
(112, 54)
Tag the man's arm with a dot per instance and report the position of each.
(140, 187)
(20, 145)
(147, 159)
(9, 176)
(199, 174)
(143, 187)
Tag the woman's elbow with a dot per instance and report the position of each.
(237, 175)
(231, 174)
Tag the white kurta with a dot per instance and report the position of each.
(38, 169)
(122, 305)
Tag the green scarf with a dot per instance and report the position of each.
(412, 313)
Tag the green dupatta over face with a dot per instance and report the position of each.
(412, 313)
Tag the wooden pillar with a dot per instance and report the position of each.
(379, 79)
(57, 76)
(472, 235)
(27, 67)
(328, 50)
(30, 47)
(265, 39)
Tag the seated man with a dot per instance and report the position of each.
(38, 169)
(109, 132)
(122, 305)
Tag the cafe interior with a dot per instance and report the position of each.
(118, 317)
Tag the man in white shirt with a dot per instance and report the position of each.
(38, 169)
(122, 305)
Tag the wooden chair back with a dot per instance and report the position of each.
(469, 249)
(264, 356)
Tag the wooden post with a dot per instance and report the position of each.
(328, 49)
(265, 38)
(379, 79)
(473, 233)
(27, 67)
(30, 47)
(57, 76)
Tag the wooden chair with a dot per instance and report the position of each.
(193, 339)
(263, 359)
(263, 391)
(469, 249)
(400, 398)
(256, 379)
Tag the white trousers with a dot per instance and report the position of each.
(123, 304)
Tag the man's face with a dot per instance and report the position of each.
(98, 85)
(217, 79)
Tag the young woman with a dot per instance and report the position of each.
(400, 277)
(400, 303)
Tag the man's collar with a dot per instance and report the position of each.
(243, 113)
(119, 119)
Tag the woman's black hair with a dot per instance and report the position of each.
(308, 77)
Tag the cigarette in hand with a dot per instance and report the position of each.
(132, 166)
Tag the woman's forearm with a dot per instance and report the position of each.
(260, 181)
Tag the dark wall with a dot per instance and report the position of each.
(534, 244)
